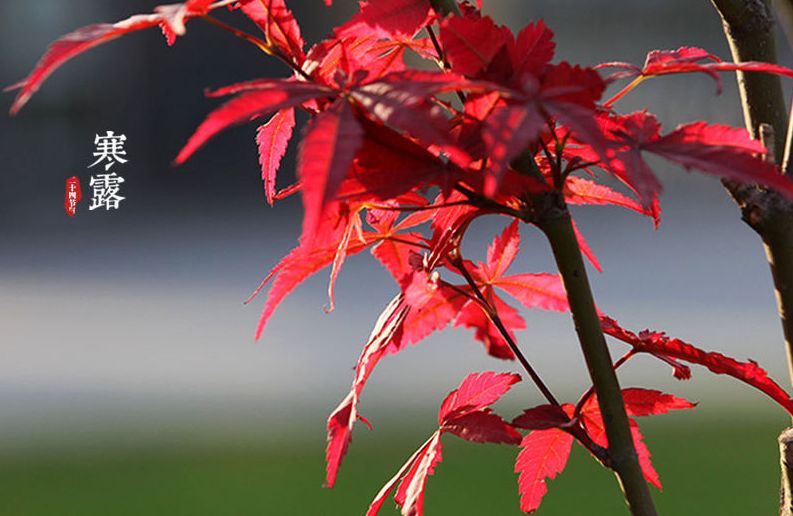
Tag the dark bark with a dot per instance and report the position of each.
(749, 28)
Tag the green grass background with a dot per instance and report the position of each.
(723, 465)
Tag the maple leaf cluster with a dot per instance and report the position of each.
(400, 161)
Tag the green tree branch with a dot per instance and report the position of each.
(553, 218)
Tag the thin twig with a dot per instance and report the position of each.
(419, 208)
(408, 242)
(624, 91)
(588, 394)
(250, 38)
(492, 314)
(443, 64)
(484, 202)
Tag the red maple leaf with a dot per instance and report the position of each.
(279, 26)
(688, 60)
(342, 419)
(471, 43)
(545, 450)
(533, 290)
(388, 19)
(326, 153)
(255, 99)
(664, 347)
(170, 18)
(638, 402)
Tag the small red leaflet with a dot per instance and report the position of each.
(465, 412)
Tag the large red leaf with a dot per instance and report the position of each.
(326, 154)
(543, 455)
(715, 149)
(507, 132)
(308, 258)
(544, 291)
(471, 43)
(402, 100)
(723, 151)
(170, 18)
(263, 98)
(272, 139)
(534, 48)
(388, 165)
(278, 25)
(578, 190)
(659, 344)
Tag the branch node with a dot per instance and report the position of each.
(767, 138)
(787, 166)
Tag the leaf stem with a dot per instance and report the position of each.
(492, 314)
(259, 43)
(443, 64)
(624, 91)
(250, 38)
(486, 203)
(408, 242)
(419, 208)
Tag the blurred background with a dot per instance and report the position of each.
(130, 382)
